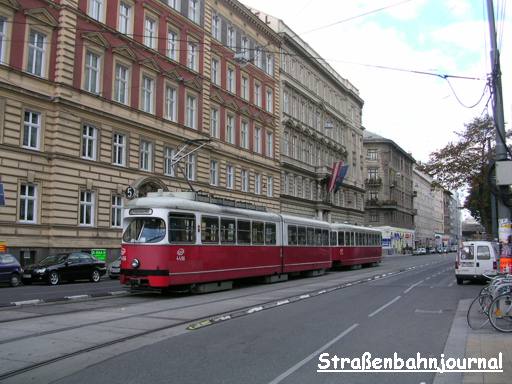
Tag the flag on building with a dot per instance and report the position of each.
(339, 171)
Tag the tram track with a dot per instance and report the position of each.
(219, 315)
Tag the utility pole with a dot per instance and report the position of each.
(499, 121)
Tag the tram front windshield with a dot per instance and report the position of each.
(145, 230)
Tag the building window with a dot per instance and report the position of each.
(230, 80)
(194, 10)
(150, 32)
(169, 154)
(245, 180)
(257, 139)
(86, 208)
(125, 11)
(230, 129)
(270, 65)
(286, 143)
(190, 167)
(175, 4)
(374, 217)
(231, 37)
(192, 55)
(214, 172)
(147, 92)
(244, 134)
(214, 122)
(270, 186)
(119, 149)
(170, 103)
(245, 48)
(172, 45)
(373, 173)
(191, 116)
(3, 34)
(258, 57)
(257, 94)
(31, 130)
(270, 101)
(286, 103)
(245, 88)
(374, 195)
(28, 203)
(36, 53)
(146, 156)
(121, 84)
(215, 71)
(372, 154)
(216, 27)
(229, 177)
(257, 184)
(92, 72)
(269, 145)
(95, 9)
(116, 220)
(286, 184)
(89, 142)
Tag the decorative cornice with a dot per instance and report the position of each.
(11, 4)
(96, 38)
(126, 52)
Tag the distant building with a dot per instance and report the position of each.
(452, 223)
(389, 183)
(428, 203)
(472, 230)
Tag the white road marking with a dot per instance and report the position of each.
(384, 306)
(76, 297)
(412, 286)
(297, 366)
(437, 312)
(27, 302)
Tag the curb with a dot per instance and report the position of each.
(62, 299)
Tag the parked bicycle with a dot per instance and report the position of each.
(493, 305)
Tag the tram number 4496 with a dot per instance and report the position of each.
(180, 255)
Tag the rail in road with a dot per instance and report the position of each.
(122, 323)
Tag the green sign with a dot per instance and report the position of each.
(100, 254)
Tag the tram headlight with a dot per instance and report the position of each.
(135, 263)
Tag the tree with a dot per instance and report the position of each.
(465, 164)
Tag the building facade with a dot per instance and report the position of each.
(452, 220)
(429, 205)
(320, 125)
(389, 183)
(97, 96)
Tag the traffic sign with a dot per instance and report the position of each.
(100, 254)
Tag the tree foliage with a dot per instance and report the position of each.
(465, 164)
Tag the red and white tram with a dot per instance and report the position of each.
(171, 239)
(353, 245)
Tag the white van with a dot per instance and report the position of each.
(475, 260)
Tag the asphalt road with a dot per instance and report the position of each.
(406, 313)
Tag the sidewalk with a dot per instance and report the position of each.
(487, 343)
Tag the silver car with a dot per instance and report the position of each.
(114, 269)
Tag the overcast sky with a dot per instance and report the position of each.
(418, 112)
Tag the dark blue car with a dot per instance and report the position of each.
(10, 270)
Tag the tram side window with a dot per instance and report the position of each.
(270, 233)
(292, 235)
(227, 231)
(182, 228)
(341, 238)
(311, 236)
(302, 239)
(257, 232)
(350, 238)
(209, 229)
(325, 237)
(366, 239)
(318, 236)
(243, 232)
(333, 238)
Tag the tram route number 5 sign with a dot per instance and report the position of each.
(130, 192)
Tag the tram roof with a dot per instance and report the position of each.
(338, 226)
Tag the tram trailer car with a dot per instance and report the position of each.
(354, 245)
(170, 239)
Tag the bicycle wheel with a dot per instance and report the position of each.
(500, 313)
(477, 313)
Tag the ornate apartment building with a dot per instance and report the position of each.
(97, 95)
(389, 183)
(320, 125)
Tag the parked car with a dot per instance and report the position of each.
(10, 270)
(114, 269)
(476, 260)
(65, 266)
(420, 251)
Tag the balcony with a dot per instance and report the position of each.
(388, 203)
(371, 203)
(373, 182)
